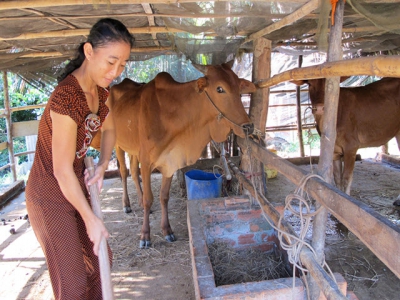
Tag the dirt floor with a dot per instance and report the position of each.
(164, 271)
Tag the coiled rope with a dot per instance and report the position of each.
(295, 244)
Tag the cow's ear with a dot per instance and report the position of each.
(246, 86)
(299, 82)
(201, 68)
(201, 84)
(230, 63)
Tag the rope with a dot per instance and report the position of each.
(221, 115)
(295, 244)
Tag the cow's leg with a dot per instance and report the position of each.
(126, 205)
(397, 136)
(349, 159)
(338, 171)
(135, 172)
(164, 198)
(147, 203)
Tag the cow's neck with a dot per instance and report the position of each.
(199, 125)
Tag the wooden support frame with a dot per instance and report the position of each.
(9, 128)
(375, 231)
(384, 66)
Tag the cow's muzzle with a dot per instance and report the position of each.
(248, 128)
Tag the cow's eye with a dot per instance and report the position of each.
(220, 90)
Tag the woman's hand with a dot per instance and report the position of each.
(96, 231)
(97, 177)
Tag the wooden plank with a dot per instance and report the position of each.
(3, 145)
(288, 20)
(380, 235)
(149, 11)
(25, 128)
(383, 66)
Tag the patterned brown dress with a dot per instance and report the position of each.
(73, 267)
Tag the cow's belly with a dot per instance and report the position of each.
(169, 161)
(376, 138)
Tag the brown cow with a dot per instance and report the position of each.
(368, 116)
(165, 125)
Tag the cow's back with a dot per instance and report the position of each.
(370, 114)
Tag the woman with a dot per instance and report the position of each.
(56, 195)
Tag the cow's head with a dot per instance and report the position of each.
(222, 88)
(316, 88)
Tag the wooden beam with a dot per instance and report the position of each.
(51, 3)
(290, 19)
(84, 32)
(143, 14)
(328, 137)
(149, 11)
(9, 126)
(383, 66)
(25, 128)
(380, 235)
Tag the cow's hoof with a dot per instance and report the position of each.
(127, 209)
(144, 244)
(170, 238)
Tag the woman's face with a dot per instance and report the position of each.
(107, 62)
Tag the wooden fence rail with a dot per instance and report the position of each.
(380, 235)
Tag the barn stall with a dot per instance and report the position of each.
(38, 36)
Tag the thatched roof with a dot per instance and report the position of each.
(38, 35)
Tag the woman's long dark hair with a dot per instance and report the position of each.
(103, 32)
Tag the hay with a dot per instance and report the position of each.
(125, 229)
(233, 266)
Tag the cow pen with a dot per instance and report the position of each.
(380, 235)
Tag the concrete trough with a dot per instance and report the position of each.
(233, 220)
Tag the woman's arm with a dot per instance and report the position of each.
(64, 148)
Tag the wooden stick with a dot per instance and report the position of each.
(105, 273)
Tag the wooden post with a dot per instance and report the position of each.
(299, 123)
(104, 262)
(328, 137)
(258, 108)
(7, 112)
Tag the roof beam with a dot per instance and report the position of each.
(31, 54)
(51, 3)
(149, 11)
(288, 20)
(84, 32)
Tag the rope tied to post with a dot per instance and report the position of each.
(295, 244)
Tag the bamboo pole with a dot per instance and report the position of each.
(104, 262)
(84, 32)
(10, 143)
(298, 113)
(383, 66)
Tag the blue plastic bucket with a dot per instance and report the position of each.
(202, 185)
